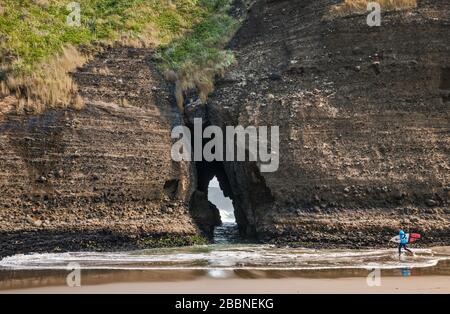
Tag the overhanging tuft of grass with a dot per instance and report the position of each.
(35, 40)
(360, 6)
(193, 61)
(49, 85)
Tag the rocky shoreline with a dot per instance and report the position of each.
(332, 229)
(42, 241)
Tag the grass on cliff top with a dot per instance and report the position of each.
(360, 6)
(193, 61)
(38, 48)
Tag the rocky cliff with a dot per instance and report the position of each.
(102, 177)
(364, 128)
(364, 122)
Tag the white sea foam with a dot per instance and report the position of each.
(227, 216)
(262, 257)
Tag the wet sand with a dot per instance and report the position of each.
(325, 271)
(428, 284)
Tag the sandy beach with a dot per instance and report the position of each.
(428, 284)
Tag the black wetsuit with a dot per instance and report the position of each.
(403, 242)
(403, 245)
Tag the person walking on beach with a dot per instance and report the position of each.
(403, 243)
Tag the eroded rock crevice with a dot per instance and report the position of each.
(240, 181)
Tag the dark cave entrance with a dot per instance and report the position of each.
(205, 213)
(212, 204)
(243, 184)
(240, 181)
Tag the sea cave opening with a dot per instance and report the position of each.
(228, 196)
(212, 203)
(228, 231)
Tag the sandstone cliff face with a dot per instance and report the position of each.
(363, 115)
(97, 178)
(364, 128)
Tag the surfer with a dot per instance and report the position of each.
(403, 243)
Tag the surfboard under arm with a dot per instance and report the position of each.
(413, 237)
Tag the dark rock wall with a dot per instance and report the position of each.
(364, 126)
(102, 173)
(363, 115)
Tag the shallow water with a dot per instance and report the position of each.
(231, 257)
(217, 261)
(227, 258)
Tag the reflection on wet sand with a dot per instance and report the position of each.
(43, 278)
(38, 278)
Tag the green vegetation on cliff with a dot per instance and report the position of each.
(41, 40)
(194, 60)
